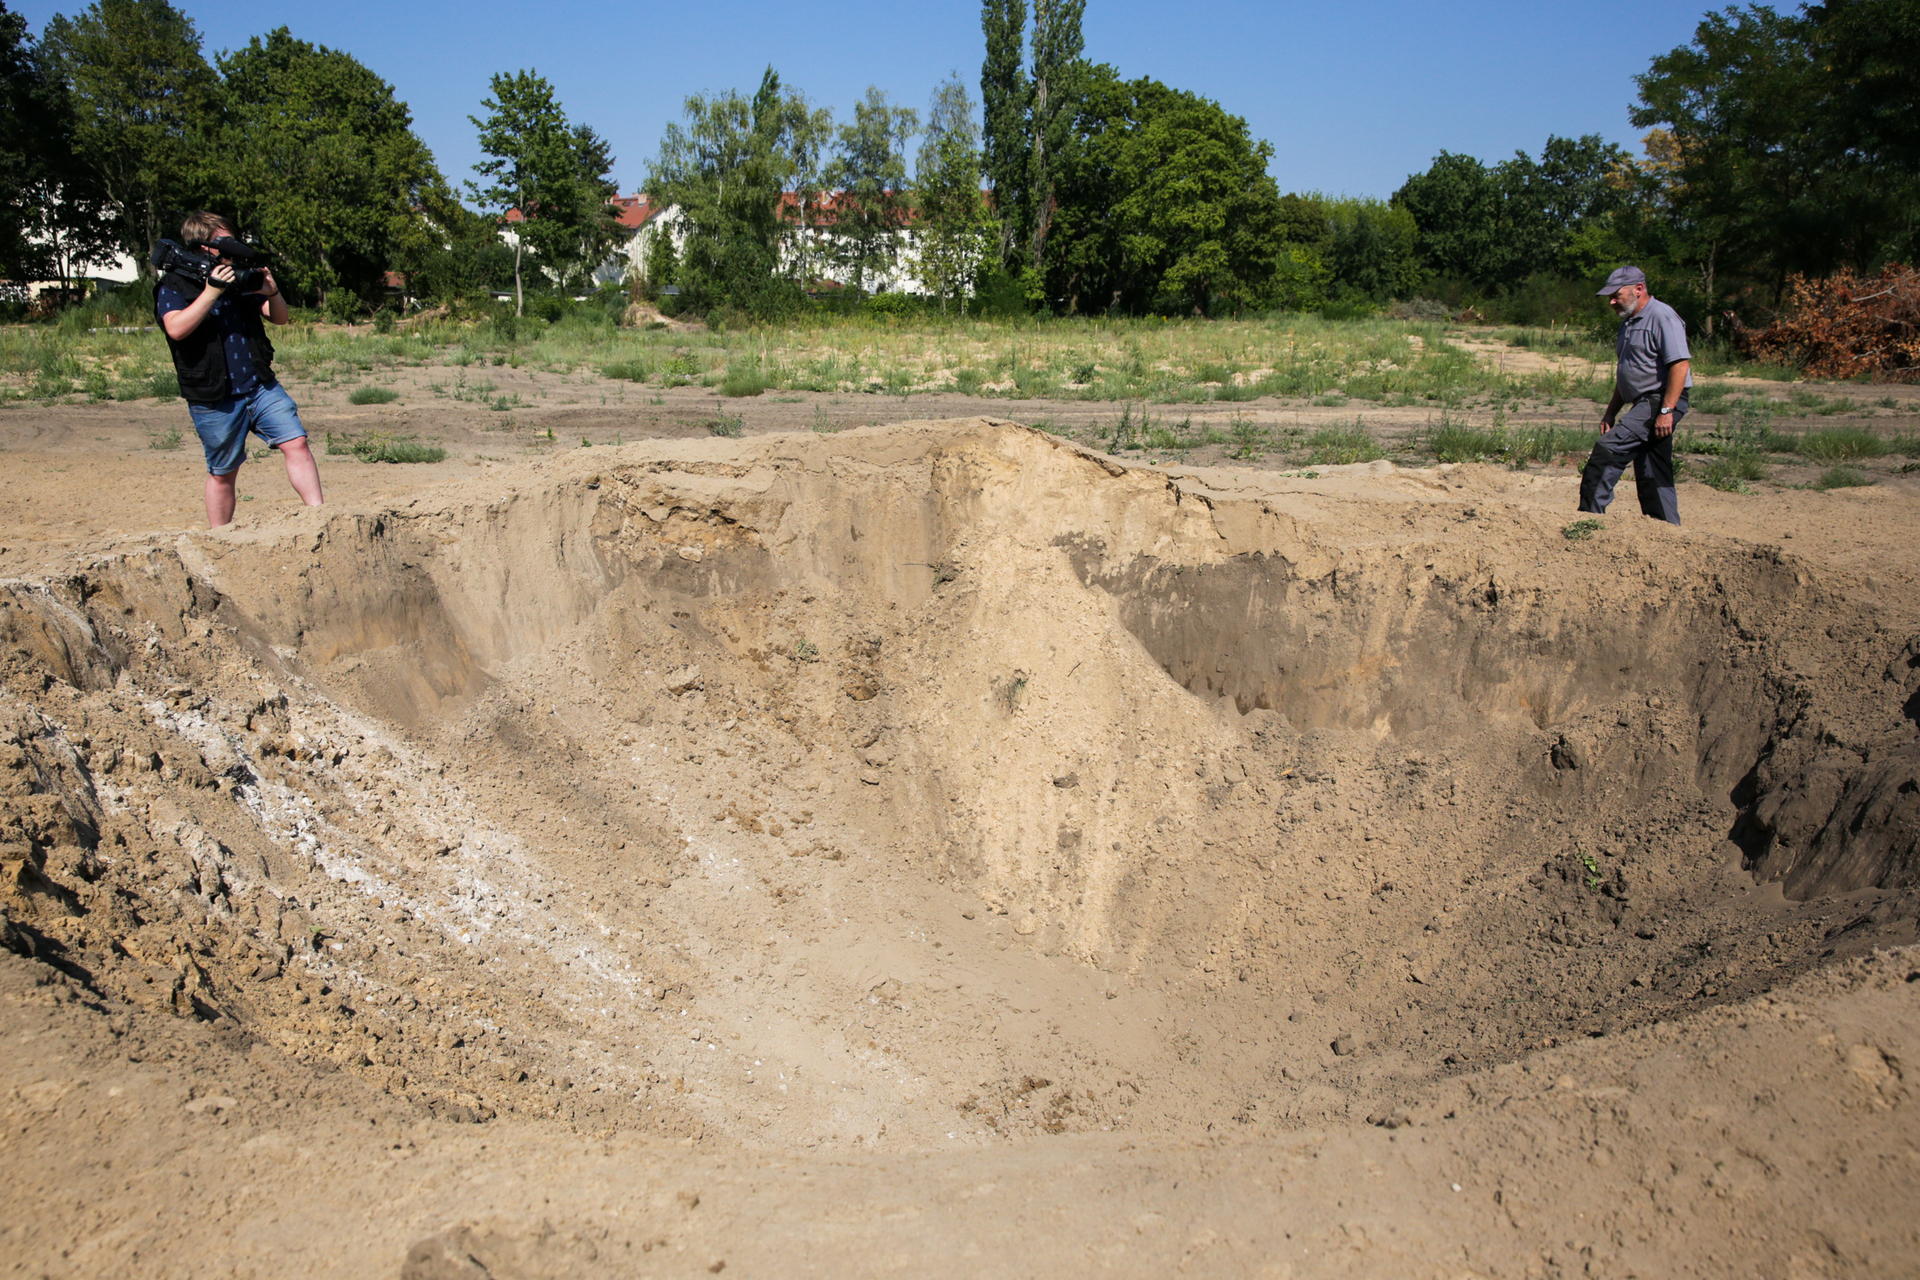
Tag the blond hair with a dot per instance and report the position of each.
(201, 226)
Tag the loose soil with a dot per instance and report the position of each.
(935, 847)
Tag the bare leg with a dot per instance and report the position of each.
(303, 473)
(220, 499)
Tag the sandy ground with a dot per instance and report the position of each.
(936, 848)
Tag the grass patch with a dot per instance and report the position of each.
(1734, 472)
(1337, 446)
(156, 384)
(743, 378)
(1842, 478)
(165, 441)
(1248, 438)
(625, 370)
(1581, 530)
(1812, 402)
(372, 395)
(1455, 442)
(378, 446)
(1545, 443)
(1840, 444)
(728, 426)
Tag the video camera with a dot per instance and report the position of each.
(245, 259)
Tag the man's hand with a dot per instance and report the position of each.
(1663, 425)
(220, 279)
(1606, 423)
(273, 305)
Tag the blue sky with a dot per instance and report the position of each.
(1353, 96)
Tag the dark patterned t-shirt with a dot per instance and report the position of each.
(243, 374)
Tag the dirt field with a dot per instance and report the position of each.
(936, 848)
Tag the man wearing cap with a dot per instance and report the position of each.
(1650, 384)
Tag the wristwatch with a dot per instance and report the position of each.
(1665, 409)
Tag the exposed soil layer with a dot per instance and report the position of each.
(941, 848)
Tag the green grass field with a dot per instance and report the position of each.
(1475, 409)
(1152, 361)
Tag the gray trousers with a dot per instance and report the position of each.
(1632, 442)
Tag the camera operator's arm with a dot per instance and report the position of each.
(273, 305)
(178, 324)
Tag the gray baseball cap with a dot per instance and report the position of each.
(1621, 278)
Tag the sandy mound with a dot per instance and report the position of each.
(938, 848)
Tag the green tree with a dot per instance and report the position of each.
(548, 177)
(723, 171)
(1057, 44)
(955, 230)
(53, 223)
(805, 136)
(145, 105)
(1456, 206)
(1371, 249)
(460, 255)
(1163, 204)
(869, 178)
(1005, 94)
(23, 105)
(1871, 50)
(322, 164)
(1487, 229)
(1791, 142)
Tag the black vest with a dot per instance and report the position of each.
(200, 358)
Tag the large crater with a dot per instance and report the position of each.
(942, 783)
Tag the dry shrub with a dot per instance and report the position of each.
(1846, 326)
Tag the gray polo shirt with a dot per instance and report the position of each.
(1650, 340)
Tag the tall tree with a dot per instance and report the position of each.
(551, 174)
(1792, 140)
(869, 177)
(954, 228)
(1371, 249)
(1456, 203)
(1732, 104)
(1871, 49)
(1005, 93)
(24, 117)
(1490, 227)
(52, 221)
(322, 164)
(1056, 60)
(724, 170)
(145, 104)
(1163, 204)
(806, 137)
(460, 256)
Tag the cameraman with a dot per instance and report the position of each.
(225, 366)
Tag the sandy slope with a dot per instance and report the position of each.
(936, 848)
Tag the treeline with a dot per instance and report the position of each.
(1780, 147)
(116, 124)
(1779, 144)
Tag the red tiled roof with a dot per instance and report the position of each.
(632, 211)
(635, 210)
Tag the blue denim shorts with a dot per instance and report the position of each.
(268, 412)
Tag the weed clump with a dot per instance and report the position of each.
(1841, 478)
(378, 446)
(1336, 446)
(372, 395)
(1840, 444)
(1456, 442)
